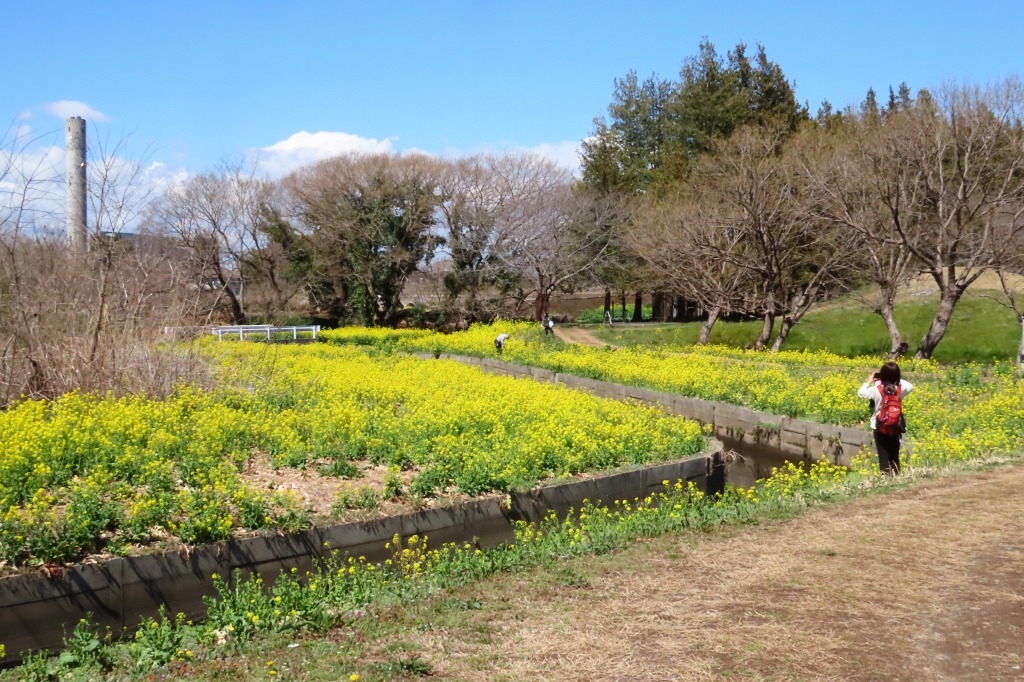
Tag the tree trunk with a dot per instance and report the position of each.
(237, 316)
(705, 329)
(787, 325)
(101, 313)
(897, 344)
(540, 306)
(607, 302)
(801, 304)
(1020, 348)
(766, 330)
(638, 307)
(948, 301)
(658, 306)
(622, 298)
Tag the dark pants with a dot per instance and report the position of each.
(888, 452)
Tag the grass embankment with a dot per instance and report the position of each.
(981, 330)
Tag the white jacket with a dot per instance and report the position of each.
(870, 391)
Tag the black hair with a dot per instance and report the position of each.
(889, 373)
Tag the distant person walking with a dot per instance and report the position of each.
(499, 343)
(548, 324)
(885, 390)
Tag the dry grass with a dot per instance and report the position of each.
(922, 584)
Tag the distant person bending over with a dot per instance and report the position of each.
(885, 390)
(499, 343)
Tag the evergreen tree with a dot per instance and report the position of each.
(625, 153)
(656, 129)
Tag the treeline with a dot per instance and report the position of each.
(717, 191)
(484, 235)
(742, 202)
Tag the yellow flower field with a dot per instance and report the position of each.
(84, 472)
(956, 412)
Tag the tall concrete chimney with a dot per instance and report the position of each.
(74, 142)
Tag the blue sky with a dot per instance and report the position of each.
(192, 83)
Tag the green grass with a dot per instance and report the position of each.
(597, 314)
(981, 331)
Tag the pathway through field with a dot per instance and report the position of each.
(921, 583)
(578, 335)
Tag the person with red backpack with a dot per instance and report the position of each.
(885, 389)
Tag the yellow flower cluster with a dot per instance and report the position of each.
(464, 427)
(815, 385)
(955, 412)
(78, 467)
(372, 336)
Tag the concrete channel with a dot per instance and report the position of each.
(38, 610)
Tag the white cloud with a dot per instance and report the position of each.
(565, 154)
(67, 108)
(304, 148)
(32, 177)
(161, 177)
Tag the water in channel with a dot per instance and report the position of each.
(747, 462)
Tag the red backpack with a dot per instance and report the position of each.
(890, 415)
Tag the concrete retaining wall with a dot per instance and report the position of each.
(37, 610)
(804, 440)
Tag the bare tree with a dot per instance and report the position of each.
(82, 319)
(967, 146)
(548, 232)
(221, 219)
(30, 188)
(683, 242)
(478, 281)
(792, 257)
(859, 186)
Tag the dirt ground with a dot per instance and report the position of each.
(920, 583)
(577, 335)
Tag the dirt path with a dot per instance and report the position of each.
(578, 335)
(922, 583)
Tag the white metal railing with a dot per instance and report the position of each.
(266, 331)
